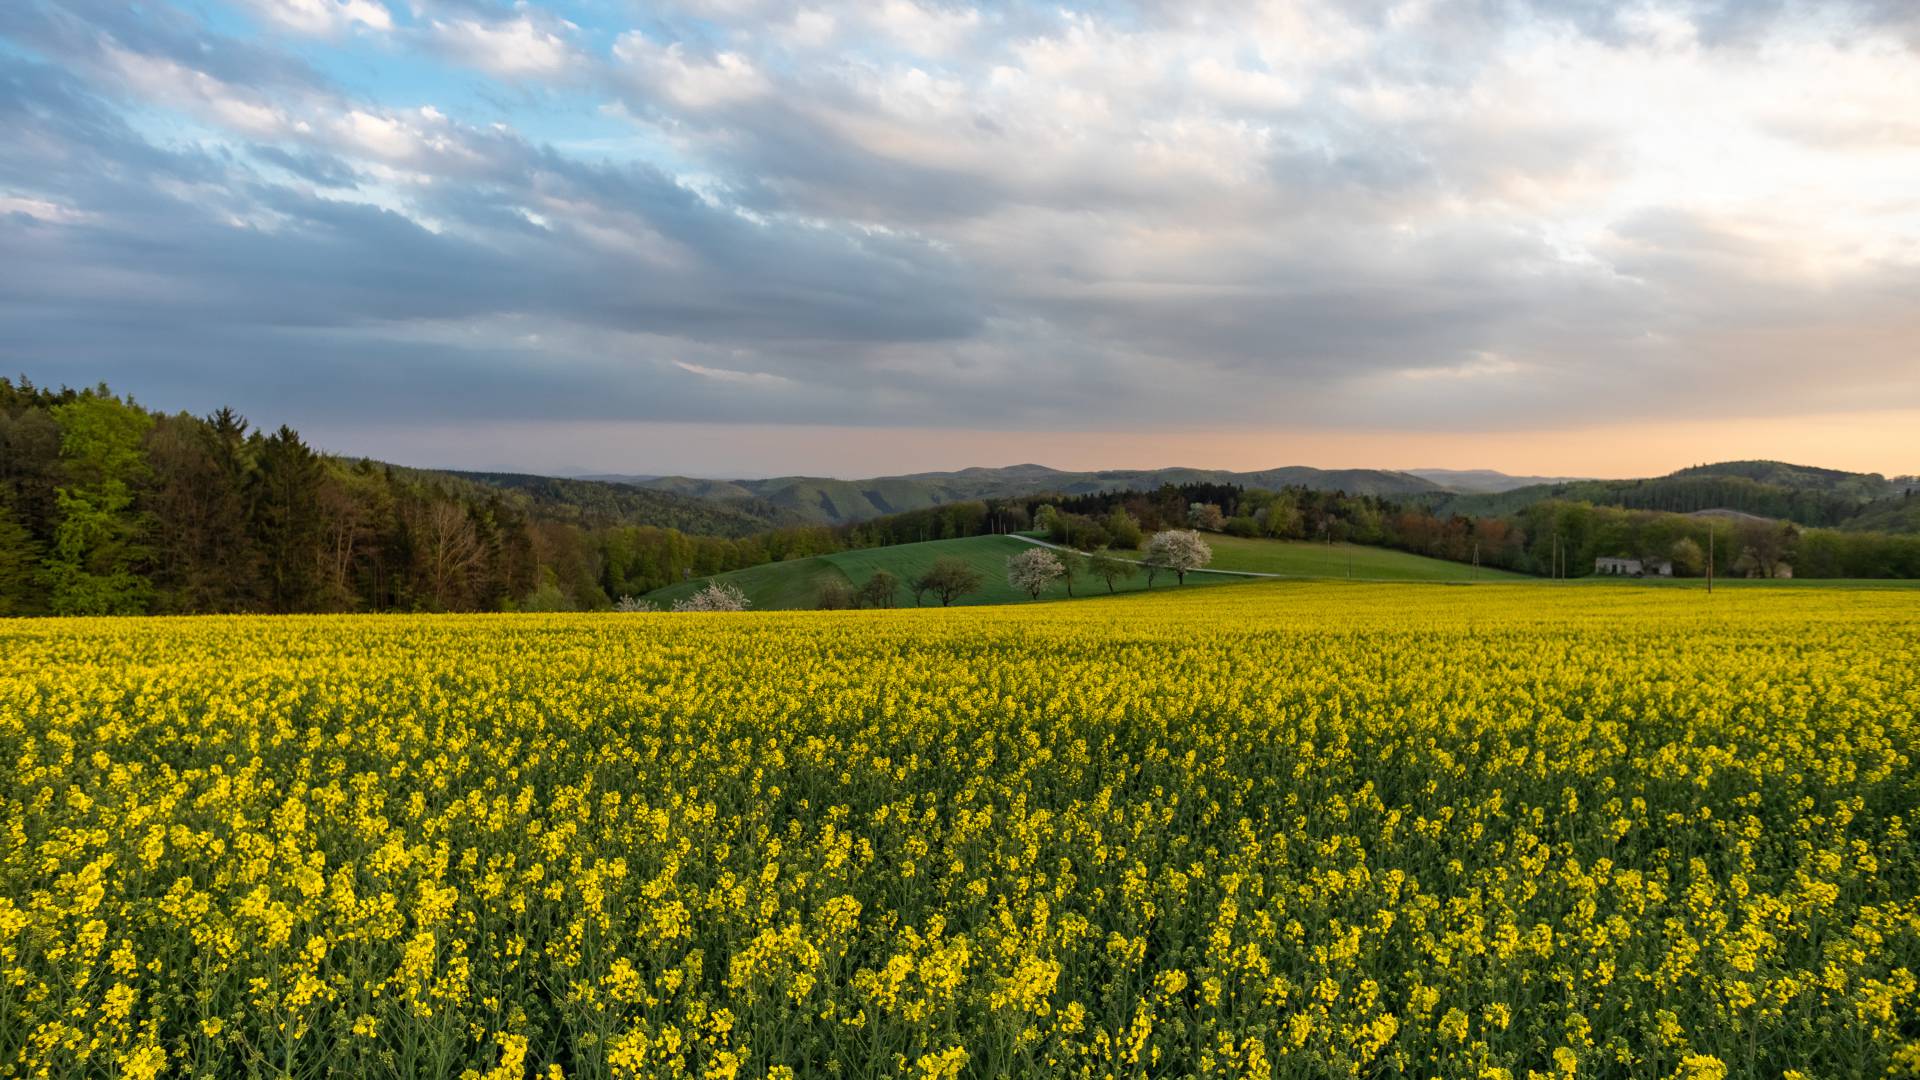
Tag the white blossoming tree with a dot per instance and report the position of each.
(1180, 551)
(717, 596)
(1033, 570)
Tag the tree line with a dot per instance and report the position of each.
(109, 508)
(1553, 537)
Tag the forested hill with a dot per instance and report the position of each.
(600, 502)
(109, 508)
(1864, 487)
(1826, 498)
(823, 500)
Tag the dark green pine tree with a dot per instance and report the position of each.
(19, 564)
(286, 519)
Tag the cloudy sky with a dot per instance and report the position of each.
(745, 237)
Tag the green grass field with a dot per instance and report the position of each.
(1303, 558)
(796, 584)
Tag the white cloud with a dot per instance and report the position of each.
(810, 28)
(926, 30)
(511, 48)
(324, 17)
(1483, 366)
(689, 81)
(729, 375)
(45, 210)
(164, 80)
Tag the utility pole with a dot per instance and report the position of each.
(1476, 560)
(1709, 556)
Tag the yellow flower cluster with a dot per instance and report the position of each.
(1277, 830)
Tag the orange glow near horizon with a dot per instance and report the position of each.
(1883, 442)
(1886, 442)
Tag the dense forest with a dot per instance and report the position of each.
(109, 508)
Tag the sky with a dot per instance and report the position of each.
(736, 237)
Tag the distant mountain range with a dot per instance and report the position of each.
(1805, 494)
(601, 502)
(1811, 496)
(1484, 481)
(829, 501)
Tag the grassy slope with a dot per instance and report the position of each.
(796, 584)
(1302, 558)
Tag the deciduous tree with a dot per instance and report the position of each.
(879, 590)
(1178, 550)
(948, 579)
(717, 596)
(1109, 569)
(1033, 570)
(95, 562)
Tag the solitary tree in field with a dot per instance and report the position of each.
(1178, 550)
(1109, 569)
(879, 590)
(948, 579)
(836, 594)
(1033, 570)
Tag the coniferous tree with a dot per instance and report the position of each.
(286, 519)
(19, 561)
(234, 559)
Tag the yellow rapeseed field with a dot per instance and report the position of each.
(1299, 830)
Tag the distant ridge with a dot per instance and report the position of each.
(600, 503)
(1807, 495)
(1804, 494)
(829, 501)
(1485, 480)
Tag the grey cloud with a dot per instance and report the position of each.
(318, 292)
(1321, 258)
(319, 168)
(81, 31)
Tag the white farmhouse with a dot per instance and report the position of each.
(1623, 567)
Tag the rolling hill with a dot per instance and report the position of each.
(796, 583)
(598, 502)
(1822, 498)
(1810, 496)
(1305, 558)
(1484, 481)
(828, 501)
